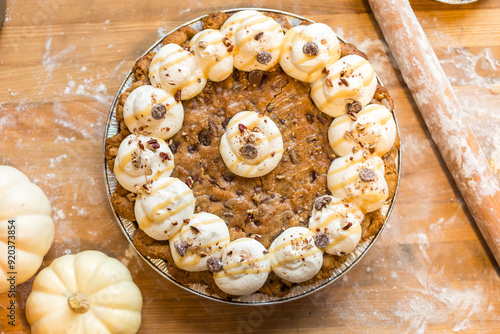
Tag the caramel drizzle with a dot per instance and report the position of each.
(164, 204)
(147, 222)
(310, 252)
(235, 21)
(335, 216)
(356, 229)
(235, 268)
(352, 178)
(287, 47)
(343, 93)
(146, 111)
(367, 126)
(213, 62)
(193, 256)
(170, 63)
(368, 198)
(271, 28)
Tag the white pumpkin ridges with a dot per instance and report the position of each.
(24, 199)
(115, 302)
(27, 204)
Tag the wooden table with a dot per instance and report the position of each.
(430, 271)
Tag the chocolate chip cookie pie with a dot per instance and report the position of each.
(253, 155)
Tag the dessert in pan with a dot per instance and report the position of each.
(253, 155)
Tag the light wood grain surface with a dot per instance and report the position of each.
(61, 62)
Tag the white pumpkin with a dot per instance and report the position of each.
(89, 292)
(26, 227)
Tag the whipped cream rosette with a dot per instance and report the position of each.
(174, 69)
(245, 267)
(199, 244)
(141, 160)
(336, 225)
(153, 112)
(252, 145)
(217, 62)
(294, 256)
(257, 43)
(373, 127)
(350, 82)
(228, 29)
(307, 50)
(161, 211)
(359, 179)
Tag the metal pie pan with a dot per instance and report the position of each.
(160, 265)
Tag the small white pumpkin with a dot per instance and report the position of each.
(26, 227)
(89, 292)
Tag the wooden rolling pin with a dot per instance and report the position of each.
(441, 111)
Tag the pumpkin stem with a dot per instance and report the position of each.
(79, 303)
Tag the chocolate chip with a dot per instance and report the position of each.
(258, 35)
(213, 199)
(214, 264)
(294, 156)
(354, 107)
(322, 119)
(314, 176)
(255, 77)
(194, 229)
(310, 49)
(192, 149)
(239, 193)
(264, 57)
(367, 175)
(310, 118)
(346, 226)
(242, 127)
(158, 111)
(321, 240)
(174, 146)
(204, 138)
(177, 96)
(181, 248)
(249, 151)
(322, 202)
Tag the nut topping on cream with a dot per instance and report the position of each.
(153, 112)
(252, 145)
(178, 72)
(140, 161)
(308, 50)
(374, 128)
(337, 226)
(351, 78)
(359, 178)
(161, 211)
